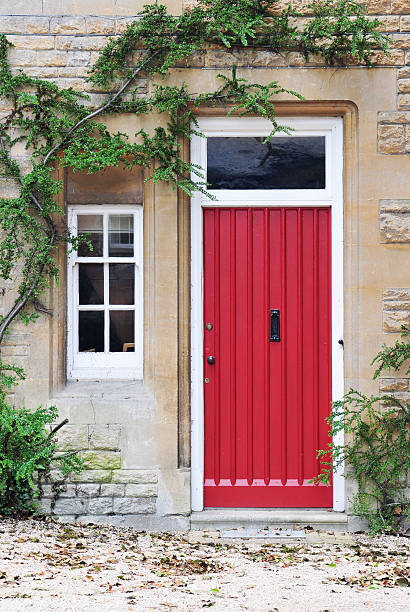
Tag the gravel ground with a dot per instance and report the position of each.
(50, 566)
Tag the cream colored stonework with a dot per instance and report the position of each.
(135, 436)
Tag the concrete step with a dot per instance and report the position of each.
(272, 524)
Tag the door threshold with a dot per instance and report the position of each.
(269, 523)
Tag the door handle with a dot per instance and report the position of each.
(211, 360)
(274, 325)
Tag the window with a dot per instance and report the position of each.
(105, 293)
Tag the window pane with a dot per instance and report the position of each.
(122, 331)
(121, 236)
(282, 163)
(122, 284)
(91, 284)
(92, 225)
(91, 331)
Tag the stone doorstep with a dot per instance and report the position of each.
(270, 524)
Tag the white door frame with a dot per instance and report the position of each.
(332, 196)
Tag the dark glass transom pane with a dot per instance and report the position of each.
(122, 284)
(289, 162)
(121, 236)
(91, 284)
(92, 225)
(122, 331)
(91, 331)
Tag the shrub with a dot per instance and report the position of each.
(376, 449)
(27, 447)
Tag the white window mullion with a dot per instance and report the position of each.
(106, 311)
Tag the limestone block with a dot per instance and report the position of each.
(67, 491)
(100, 505)
(24, 57)
(401, 41)
(403, 101)
(56, 476)
(92, 476)
(133, 505)
(44, 73)
(389, 23)
(135, 476)
(88, 490)
(113, 490)
(47, 490)
(393, 321)
(395, 227)
(405, 23)
(399, 6)
(122, 24)
(44, 505)
(391, 139)
(393, 296)
(403, 73)
(70, 506)
(396, 58)
(15, 351)
(403, 85)
(81, 43)
(394, 116)
(105, 437)
(24, 25)
(395, 206)
(407, 139)
(99, 25)
(73, 72)
(32, 42)
(378, 7)
(67, 25)
(394, 384)
(21, 7)
(73, 437)
(78, 58)
(106, 460)
(141, 490)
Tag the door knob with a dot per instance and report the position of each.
(211, 360)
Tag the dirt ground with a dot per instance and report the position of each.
(51, 566)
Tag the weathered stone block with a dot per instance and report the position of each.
(141, 490)
(394, 227)
(403, 85)
(401, 41)
(396, 58)
(32, 42)
(113, 490)
(88, 490)
(396, 309)
(405, 23)
(80, 43)
(106, 460)
(67, 491)
(393, 321)
(56, 476)
(389, 23)
(70, 506)
(73, 437)
(99, 25)
(395, 206)
(23, 57)
(67, 25)
(122, 24)
(92, 476)
(403, 101)
(104, 437)
(403, 73)
(133, 505)
(391, 139)
(394, 384)
(44, 505)
(100, 505)
(21, 7)
(24, 25)
(398, 6)
(134, 476)
(78, 58)
(394, 116)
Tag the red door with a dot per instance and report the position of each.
(267, 359)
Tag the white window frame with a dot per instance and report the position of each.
(103, 366)
(332, 196)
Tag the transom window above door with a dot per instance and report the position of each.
(105, 293)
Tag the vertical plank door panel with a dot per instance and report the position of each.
(266, 402)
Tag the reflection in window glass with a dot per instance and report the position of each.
(121, 236)
(122, 277)
(93, 226)
(282, 163)
(91, 331)
(91, 284)
(122, 331)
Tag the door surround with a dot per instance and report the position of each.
(332, 196)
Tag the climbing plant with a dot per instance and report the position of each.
(377, 447)
(57, 126)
